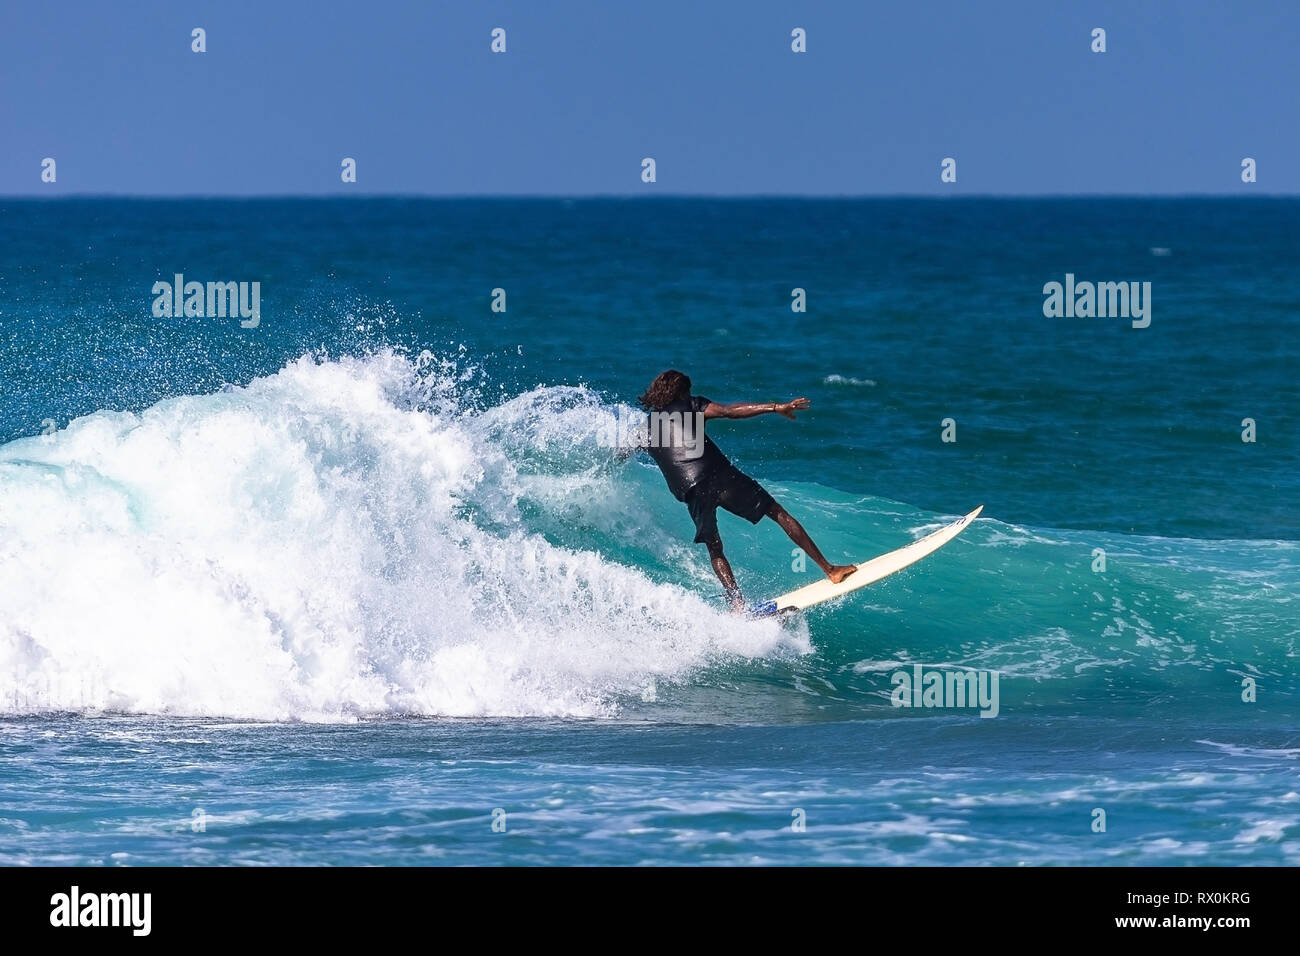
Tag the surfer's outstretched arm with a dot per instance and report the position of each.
(754, 409)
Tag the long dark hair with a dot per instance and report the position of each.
(665, 389)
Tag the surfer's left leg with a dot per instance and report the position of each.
(836, 572)
(703, 505)
(722, 568)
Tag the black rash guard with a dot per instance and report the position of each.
(674, 442)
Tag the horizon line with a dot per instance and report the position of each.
(814, 197)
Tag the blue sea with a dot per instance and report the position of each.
(362, 584)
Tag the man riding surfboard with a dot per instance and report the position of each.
(702, 477)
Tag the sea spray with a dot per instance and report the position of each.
(323, 545)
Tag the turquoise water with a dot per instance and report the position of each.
(352, 580)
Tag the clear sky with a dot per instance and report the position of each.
(588, 88)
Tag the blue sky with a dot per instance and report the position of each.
(711, 90)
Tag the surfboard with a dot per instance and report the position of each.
(867, 573)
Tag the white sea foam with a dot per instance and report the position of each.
(846, 380)
(334, 541)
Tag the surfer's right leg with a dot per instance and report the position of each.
(836, 572)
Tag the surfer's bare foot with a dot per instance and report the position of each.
(839, 572)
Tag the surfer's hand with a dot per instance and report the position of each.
(789, 408)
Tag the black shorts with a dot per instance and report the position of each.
(732, 490)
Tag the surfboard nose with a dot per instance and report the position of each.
(871, 571)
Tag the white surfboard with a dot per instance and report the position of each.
(869, 572)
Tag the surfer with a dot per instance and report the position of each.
(702, 477)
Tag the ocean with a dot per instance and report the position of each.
(361, 584)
